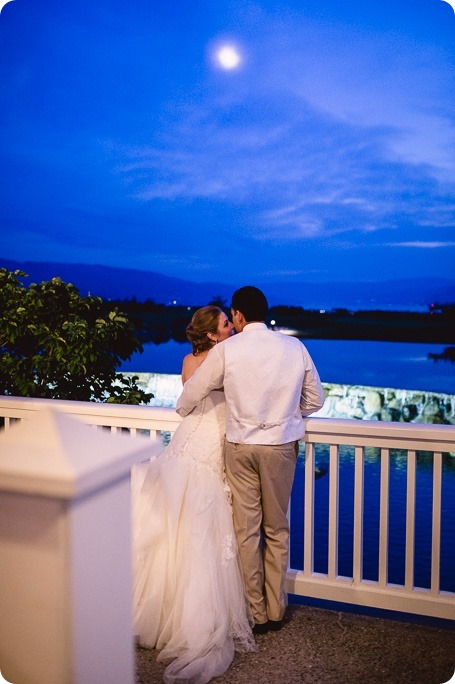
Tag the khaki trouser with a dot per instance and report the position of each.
(261, 478)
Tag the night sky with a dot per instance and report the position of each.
(319, 144)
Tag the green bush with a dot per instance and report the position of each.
(56, 344)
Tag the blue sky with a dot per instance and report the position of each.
(327, 154)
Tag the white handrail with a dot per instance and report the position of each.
(436, 439)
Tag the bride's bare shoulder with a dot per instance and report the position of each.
(190, 363)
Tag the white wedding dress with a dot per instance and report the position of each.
(188, 596)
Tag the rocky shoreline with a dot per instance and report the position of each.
(386, 404)
(342, 401)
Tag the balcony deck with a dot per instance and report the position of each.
(318, 646)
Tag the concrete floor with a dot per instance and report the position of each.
(318, 646)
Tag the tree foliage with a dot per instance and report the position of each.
(56, 344)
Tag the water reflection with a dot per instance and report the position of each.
(398, 457)
(403, 365)
(371, 513)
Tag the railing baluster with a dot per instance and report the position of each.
(410, 520)
(333, 511)
(308, 548)
(436, 523)
(359, 458)
(9, 421)
(384, 518)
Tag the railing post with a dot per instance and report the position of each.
(65, 553)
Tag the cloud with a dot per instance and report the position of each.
(421, 244)
(407, 92)
(307, 175)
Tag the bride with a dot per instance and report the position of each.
(189, 599)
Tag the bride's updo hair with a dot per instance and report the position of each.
(204, 321)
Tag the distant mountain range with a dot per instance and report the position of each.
(122, 283)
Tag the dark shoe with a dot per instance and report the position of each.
(261, 628)
(275, 625)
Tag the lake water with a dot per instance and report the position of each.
(399, 365)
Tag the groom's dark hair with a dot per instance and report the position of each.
(250, 301)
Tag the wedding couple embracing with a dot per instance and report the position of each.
(211, 534)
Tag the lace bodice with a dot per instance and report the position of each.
(201, 435)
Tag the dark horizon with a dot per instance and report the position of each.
(125, 283)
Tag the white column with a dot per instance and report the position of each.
(65, 552)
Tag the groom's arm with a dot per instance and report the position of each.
(209, 376)
(312, 397)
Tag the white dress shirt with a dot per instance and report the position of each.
(270, 383)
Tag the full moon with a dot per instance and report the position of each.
(228, 57)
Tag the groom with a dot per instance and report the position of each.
(270, 383)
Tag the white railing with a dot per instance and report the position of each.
(146, 421)
(387, 437)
